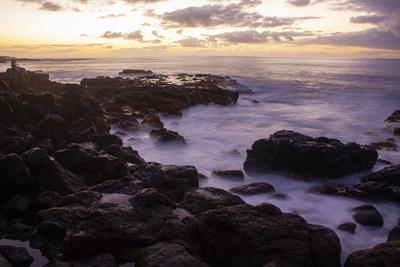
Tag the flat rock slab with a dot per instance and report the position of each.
(253, 188)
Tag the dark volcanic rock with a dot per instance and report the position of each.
(368, 215)
(18, 257)
(385, 255)
(204, 199)
(348, 227)
(167, 255)
(253, 188)
(14, 175)
(394, 234)
(294, 152)
(53, 126)
(262, 235)
(389, 175)
(107, 140)
(102, 260)
(54, 177)
(124, 153)
(229, 173)
(164, 135)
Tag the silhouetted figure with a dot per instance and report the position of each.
(14, 64)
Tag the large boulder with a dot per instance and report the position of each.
(382, 255)
(298, 153)
(53, 126)
(368, 215)
(243, 235)
(167, 136)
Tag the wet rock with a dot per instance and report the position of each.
(18, 257)
(17, 206)
(101, 260)
(14, 175)
(384, 161)
(53, 126)
(253, 188)
(294, 152)
(389, 175)
(167, 255)
(280, 195)
(368, 215)
(107, 140)
(51, 230)
(82, 198)
(153, 120)
(204, 199)
(167, 136)
(386, 254)
(348, 227)
(54, 177)
(229, 173)
(35, 159)
(394, 234)
(394, 117)
(46, 200)
(94, 168)
(151, 198)
(389, 144)
(124, 153)
(136, 72)
(262, 235)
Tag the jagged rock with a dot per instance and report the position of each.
(53, 126)
(124, 153)
(54, 177)
(167, 136)
(294, 152)
(18, 257)
(107, 140)
(46, 200)
(385, 255)
(229, 173)
(368, 215)
(167, 255)
(204, 199)
(253, 188)
(348, 227)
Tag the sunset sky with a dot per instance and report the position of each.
(91, 28)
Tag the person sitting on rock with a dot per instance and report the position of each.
(14, 64)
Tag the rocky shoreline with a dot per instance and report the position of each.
(75, 192)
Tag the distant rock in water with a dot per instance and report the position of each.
(253, 188)
(167, 136)
(298, 153)
(136, 72)
(393, 121)
(368, 215)
(229, 173)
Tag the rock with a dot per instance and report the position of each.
(389, 175)
(167, 255)
(17, 206)
(396, 131)
(229, 173)
(35, 159)
(151, 198)
(348, 227)
(101, 260)
(389, 144)
(4, 262)
(253, 188)
(167, 136)
(262, 235)
(55, 177)
(53, 126)
(395, 117)
(94, 168)
(15, 175)
(294, 152)
(394, 234)
(368, 215)
(51, 230)
(136, 72)
(204, 199)
(83, 198)
(153, 120)
(124, 153)
(107, 140)
(385, 255)
(46, 200)
(18, 257)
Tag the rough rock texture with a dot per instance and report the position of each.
(294, 152)
(368, 215)
(253, 188)
(237, 174)
(167, 136)
(385, 255)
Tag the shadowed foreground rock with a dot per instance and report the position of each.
(385, 255)
(297, 153)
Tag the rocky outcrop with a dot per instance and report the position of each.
(167, 136)
(297, 153)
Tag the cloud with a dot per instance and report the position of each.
(371, 19)
(142, 1)
(224, 15)
(371, 38)
(300, 3)
(136, 35)
(191, 42)
(49, 6)
(254, 37)
(109, 16)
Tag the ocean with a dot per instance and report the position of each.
(347, 99)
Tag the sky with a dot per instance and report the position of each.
(121, 28)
